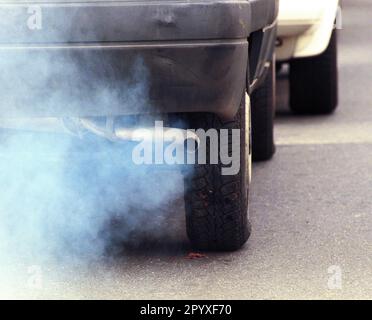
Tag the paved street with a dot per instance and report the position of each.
(311, 209)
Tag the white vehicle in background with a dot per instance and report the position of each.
(307, 40)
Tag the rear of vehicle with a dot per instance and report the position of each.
(307, 39)
(113, 59)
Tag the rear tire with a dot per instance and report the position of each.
(263, 112)
(314, 82)
(216, 204)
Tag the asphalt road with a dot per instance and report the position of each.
(311, 210)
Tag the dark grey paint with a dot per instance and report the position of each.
(196, 53)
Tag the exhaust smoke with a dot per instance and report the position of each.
(60, 194)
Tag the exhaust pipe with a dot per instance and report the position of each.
(138, 134)
(79, 126)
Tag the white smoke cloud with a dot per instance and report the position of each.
(60, 195)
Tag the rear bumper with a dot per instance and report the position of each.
(305, 27)
(296, 16)
(117, 58)
(120, 79)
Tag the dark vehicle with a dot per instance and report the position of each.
(203, 61)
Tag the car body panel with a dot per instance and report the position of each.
(305, 27)
(147, 56)
(123, 79)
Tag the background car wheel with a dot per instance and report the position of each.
(263, 111)
(314, 82)
(216, 204)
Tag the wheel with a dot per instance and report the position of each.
(217, 204)
(263, 111)
(314, 82)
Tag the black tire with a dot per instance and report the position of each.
(263, 112)
(314, 82)
(217, 205)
